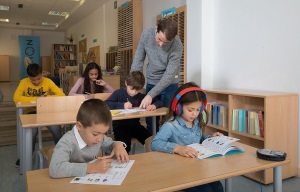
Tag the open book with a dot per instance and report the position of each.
(216, 146)
(123, 111)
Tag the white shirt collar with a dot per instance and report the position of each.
(80, 141)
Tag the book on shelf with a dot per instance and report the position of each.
(248, 121)
(216, 146)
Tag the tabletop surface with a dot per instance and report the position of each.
(63, 118)
(156, 171)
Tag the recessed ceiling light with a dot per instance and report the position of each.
(4, 8)
(4, 20)
(57, 13)
(52, 24)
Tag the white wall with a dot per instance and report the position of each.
(254, 44)
(10, 46)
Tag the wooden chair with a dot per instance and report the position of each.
(148, 144)
(103, 97)
(52, 105)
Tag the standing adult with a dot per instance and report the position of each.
(163, 49)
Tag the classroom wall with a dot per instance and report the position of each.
(10, 46)
(254, 45)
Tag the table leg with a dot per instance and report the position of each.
(228, 185)
(154, 125)
(277, 178)
(27, 150)
(19, 112)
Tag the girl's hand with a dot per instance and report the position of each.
(90, 96)
(186, 151)
(217, 134)
(151, 108)
(100, 82)
(99, 166)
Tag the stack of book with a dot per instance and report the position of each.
(248, 121)
(217, 114)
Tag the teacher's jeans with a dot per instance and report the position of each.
(166, 97)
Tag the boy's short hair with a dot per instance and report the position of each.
(94, 111)
(135, 79)
(34, 70)
(169, 27)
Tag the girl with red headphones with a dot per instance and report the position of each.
(184, 125)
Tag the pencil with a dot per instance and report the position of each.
(99, 158)
(128, 100)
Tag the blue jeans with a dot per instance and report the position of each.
(210, 187)
(166, 96)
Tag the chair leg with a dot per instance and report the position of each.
(40, 138)
(133, 149)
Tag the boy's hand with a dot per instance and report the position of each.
(151, 108)
(99, 166)
(127, 105)
(186, 151)
(120, 152)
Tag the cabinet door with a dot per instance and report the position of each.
(4, 68)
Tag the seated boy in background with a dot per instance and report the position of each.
(83, 143)
(128, 98)
(32, 87)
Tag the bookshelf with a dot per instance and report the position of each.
(180, 18)
(280, 124)
(130, 26)
(62, 55)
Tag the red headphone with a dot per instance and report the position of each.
(176, 107)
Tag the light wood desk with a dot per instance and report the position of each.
(30, 121)
(156, 171)
(19, 111)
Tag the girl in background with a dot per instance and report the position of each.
(184, 124)
(91, 82)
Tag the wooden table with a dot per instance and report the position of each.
(19, 111)
(156, 171)
(30, 121)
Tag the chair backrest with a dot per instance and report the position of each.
(102, 96)
(148, 143)
(59, 104)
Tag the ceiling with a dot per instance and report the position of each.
(34, 12)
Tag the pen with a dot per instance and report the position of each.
(128, 100)
(87, 93)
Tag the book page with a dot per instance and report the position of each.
(218, 143)
(113, 176)
(203, 151)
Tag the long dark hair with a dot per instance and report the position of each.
(87, 81)
(189, 97)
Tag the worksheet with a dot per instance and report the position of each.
(113, 176)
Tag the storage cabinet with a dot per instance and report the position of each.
(111, 60)
(62, 55)
(180, 18)
(4, 68)
(130, 26)
(280, 124)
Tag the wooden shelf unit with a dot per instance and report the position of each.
(62, 55)
(130, 26)
(280, 124)
(111, 60)
(180, 18)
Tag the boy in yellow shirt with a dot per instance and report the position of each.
(32, 87)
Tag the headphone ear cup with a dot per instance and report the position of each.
(201, 108)
(178, 109)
